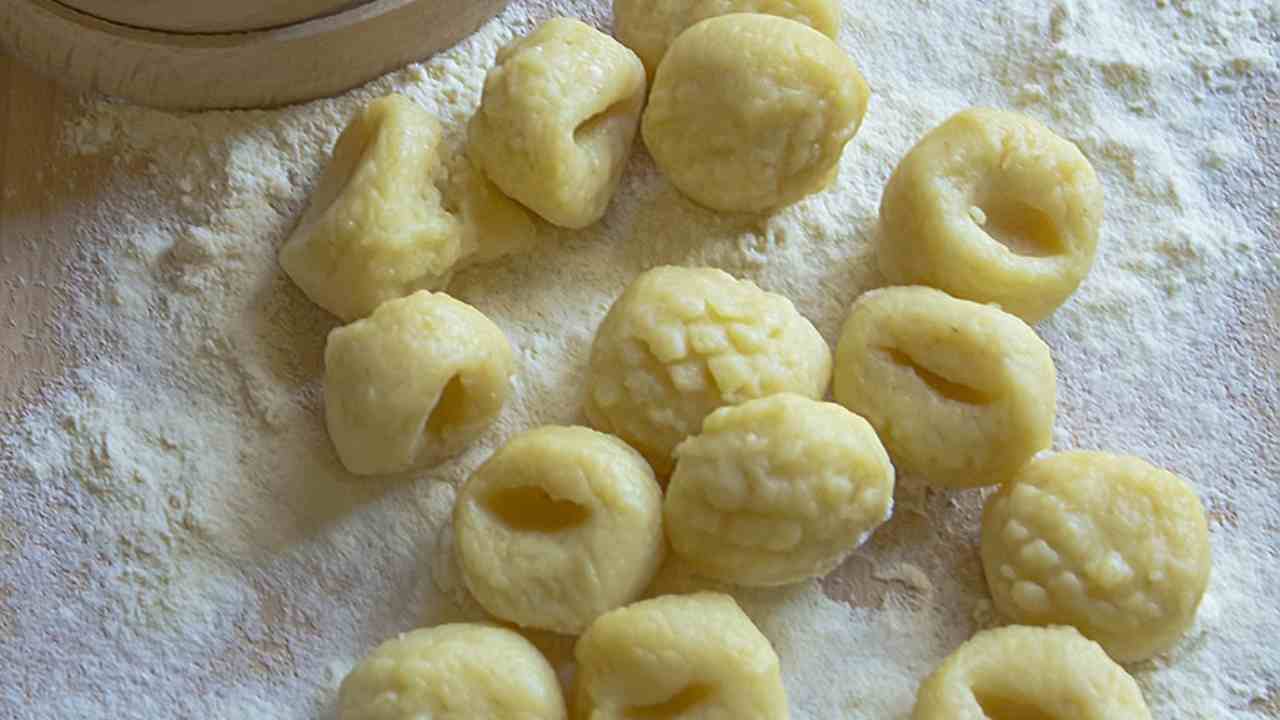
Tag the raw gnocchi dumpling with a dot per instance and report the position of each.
(1106, 543)
(682, 342)
(677, 656)
(453, 672)
(777, 490)
(557, 120)
(960, 393)
(413, 383)
(752, 112)
(994, 207)
(649, 26)
(1026, 673)
(560, 525)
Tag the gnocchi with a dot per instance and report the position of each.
(695, 656)
(994, 207)
(1106, 543)
(560, 525)
(777, 490)
(453, 672)
(749, 112)
(681, 342)
(960, 393)
(413, 383)
(557, 120)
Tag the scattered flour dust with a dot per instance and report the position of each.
(177, 538)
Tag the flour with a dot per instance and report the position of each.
(177, 538)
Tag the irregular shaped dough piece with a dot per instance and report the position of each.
(961, 393)
(1106, 543)
(1029, 673)
(992, 206)
(413, 383)
(687, 656)
(493, 225)
(376, 228)
(681, 342)
(649, 26)
(560, 525)
(752, 112)
(453, 672)
(777, 490)
(559, 114)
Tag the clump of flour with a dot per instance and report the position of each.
(177, 537)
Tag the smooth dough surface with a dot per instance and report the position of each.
(413, 383)
(453, 672)
(749, 112)
(960, 393)
(694, 657)
(557, 120)
(992, 206)
(1106, 543)
(777, 490)
(682, 342)
(649, 26)
(561, 525)
(1029, 673)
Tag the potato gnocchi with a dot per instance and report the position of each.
(777, 490)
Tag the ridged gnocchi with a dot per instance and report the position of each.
(777, 490)
(682, 342)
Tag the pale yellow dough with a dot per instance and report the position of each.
(453, 672)
(1029, 673)
(962, 394)
(1106, 543)
(693, 657)
(749, 112)
(560, 525)
(557, 120)
(649, 26)
(682, 342)
(994, 207)
(777, 490)
(413, 383)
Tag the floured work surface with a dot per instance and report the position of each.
(178, 539)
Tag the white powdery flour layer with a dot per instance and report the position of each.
(177, 538)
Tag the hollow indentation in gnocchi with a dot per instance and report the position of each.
(528, 508)
(1002, 707)
(678, 705)
(948, 389)
(1024, 229)
(451, 409)
(589, 129)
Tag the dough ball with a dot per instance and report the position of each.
(559, 114)
(560, 525)
(686, 656)
(1028, 673)
(1106, 543)
(493, 225)
(777, 490)
(752, 112)
(682, 342)
(413, 383)
(453, 672)
(649, 26)
(992, 206)
(960, 393)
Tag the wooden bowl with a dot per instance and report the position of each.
(265, 67)
(202, 16)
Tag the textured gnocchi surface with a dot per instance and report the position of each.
(682, 342)
(960, 393)
(453, 672)
(994, 207)
(560, 525)
(750, 112)
(777, 490)
(557, 120)
(1029, 673)
(413, 383)
(677, 656)
(1106, 543)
